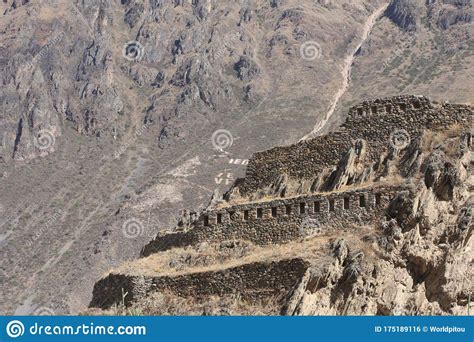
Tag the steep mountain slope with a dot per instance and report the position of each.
(381, 224)
(109, 110)
(418, 47)
(96, 133)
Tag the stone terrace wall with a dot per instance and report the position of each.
(256, 281)
(283, 220)
(372, 121)
(397, 105)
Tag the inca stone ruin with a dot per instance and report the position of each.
(375, 178)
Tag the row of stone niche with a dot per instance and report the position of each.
(386, 109)
(303, 208)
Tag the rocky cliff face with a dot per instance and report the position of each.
(405, 13)
(395, 244)
(108, 110)
(409, 14)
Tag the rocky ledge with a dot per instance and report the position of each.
(383, 228)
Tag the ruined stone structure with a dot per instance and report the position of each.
(367, 133)
(259, 281)
(380, 209)
(283, 220)
(372, 122)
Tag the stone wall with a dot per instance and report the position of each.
(398, 105)
(253, 282)
(372, 121)
(267, 221)
(283, 220)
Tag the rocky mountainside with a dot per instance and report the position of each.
(408, 14)
(116, 115)
(419, 47)
(384, 226)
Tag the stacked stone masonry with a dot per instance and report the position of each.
(255, 281)
(283, 220)
(371, 121)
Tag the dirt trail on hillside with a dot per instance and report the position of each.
(346, 71)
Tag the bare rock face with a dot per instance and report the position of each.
(350, 169)
(443, 14)
(452, 12)
(404, 13)
(246, 68)
(449, 18)
(82, 81)
(401, 209)
(422, 272)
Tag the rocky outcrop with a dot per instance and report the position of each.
(348, 170)
(246, 69)
(448, 17)
(401, 244)
(92, 73)
(404, 13)
(378, 132)
(443, 14)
